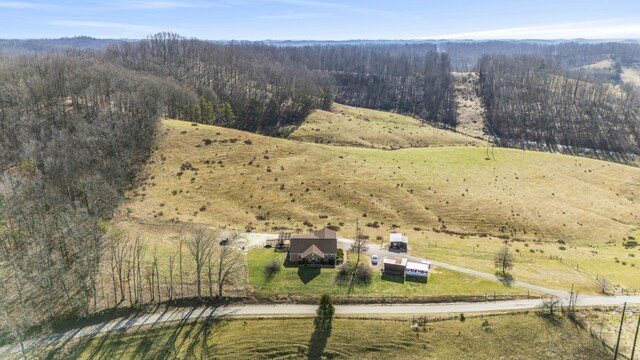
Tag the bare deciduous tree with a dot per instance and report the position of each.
(359, 246)
(227, 262)
(551, 305)
(504, 259)
(172, 260)
(200, 244)
(604, 284)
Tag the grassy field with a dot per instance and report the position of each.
(493, 337)
(314, 281)
(227, 178)
(241, 179)
(351, 126)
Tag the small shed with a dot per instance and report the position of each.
(394, 266)
(398, 242)
(420, 269)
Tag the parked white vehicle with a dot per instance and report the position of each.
(374, 259)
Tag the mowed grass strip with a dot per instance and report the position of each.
(307, 281)
(524, 336)
(352, 126)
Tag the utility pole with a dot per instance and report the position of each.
(635, 340)
(624, 309)
(571, 297)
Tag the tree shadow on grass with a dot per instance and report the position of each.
(553, 319)
(183, 333)
(318, 342)
(307, 274)
(505, 278)
(72, 348)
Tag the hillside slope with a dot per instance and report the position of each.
(219, 176)
(353, 126)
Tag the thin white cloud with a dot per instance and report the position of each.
(167, 4)
(323, 4)
(600, 29)
(18, 5)
(291, 16)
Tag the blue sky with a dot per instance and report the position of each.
(323, 20)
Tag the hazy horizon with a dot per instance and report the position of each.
(301, 20)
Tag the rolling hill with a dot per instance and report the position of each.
(219, 176)
(360, 127)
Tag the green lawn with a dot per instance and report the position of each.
(526, 336)
(315, 281)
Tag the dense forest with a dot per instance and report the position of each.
(73, 133)
(533, 102)
(409, 79)
(256, 87)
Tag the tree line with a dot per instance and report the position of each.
(137, 276)
(465, 55)
(535, 102)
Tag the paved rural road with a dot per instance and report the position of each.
(177, 315)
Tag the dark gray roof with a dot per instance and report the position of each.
(325, 241)
(320, 234)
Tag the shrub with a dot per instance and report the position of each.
(374, 225)
(562, 247)
(462, 318)
(340, 255)
(344, 273)
(261, 217)
(248, 142)
(364, 274)
(333, 227)
(272, 267)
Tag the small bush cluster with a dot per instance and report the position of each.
(374, 225)
(362, 275)
(272, 267)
